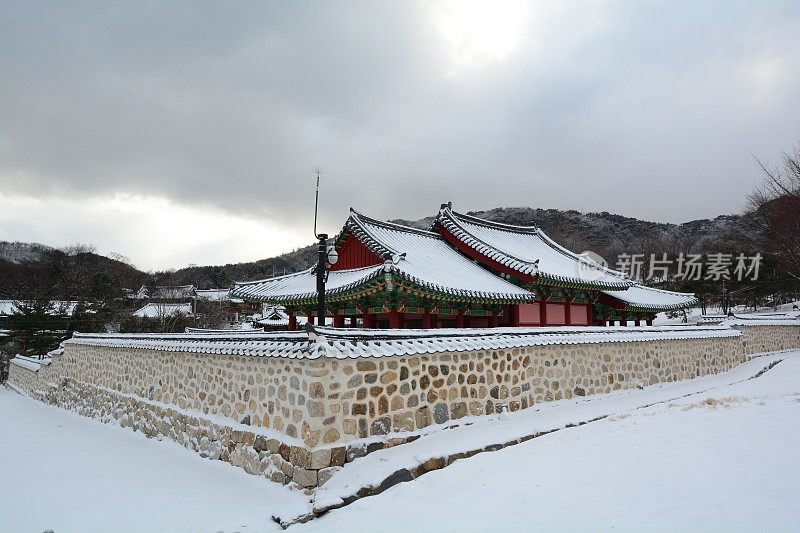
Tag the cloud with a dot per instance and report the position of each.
(642, 109)
(155, 233)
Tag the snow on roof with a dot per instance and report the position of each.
(174, 291)
(303, 285)
(419, 256)
(274, 316)
(158, 310)
(431, 262)
(201, 331)
(216, 295)
(526, 249)
(358, 343)
(650, 298)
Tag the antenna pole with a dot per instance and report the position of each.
(316, 202)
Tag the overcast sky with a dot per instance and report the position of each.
(177, 133)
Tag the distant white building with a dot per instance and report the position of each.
(162, 310)
(174, 292)
(213, 295)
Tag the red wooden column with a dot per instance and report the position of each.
(292, 322)
(649, 321)
(567, 312)
(590, 318)
(623, 320)
(434, 320)
(426, 319)
(513, 315)
(353, 321)
(310, 318)
(338, 320)
(459, 318)
(493, 320)
(543, 311)
(638, 321)
(369, 320)
(395, 319)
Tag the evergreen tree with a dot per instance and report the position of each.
(35, 329)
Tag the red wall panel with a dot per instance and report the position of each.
(529, 315)
(556, 316)
(578, 315)
(353, 254)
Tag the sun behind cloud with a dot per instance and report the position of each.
(477, 33)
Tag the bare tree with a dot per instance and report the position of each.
(776, 208)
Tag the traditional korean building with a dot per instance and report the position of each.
(462, 272)
(570, 289)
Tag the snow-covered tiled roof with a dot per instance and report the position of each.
(357, 343)
(174, 291)
(303, 285)
(526, 249)
(216, 295)
(157, 310)
(204, 331)
(650, 298)
(419, 256)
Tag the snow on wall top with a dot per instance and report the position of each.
(340, 343)
(30, 363)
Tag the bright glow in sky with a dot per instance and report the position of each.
(479, 32)
(155, 233)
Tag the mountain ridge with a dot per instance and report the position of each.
(604, 233)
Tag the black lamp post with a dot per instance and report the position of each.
(322, 248)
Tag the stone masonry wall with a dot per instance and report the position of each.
(758, 339)
(300, 420)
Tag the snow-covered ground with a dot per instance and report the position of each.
(722, 459)
(694, 314)
(68, 473)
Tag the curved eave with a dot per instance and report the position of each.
(307, 297)
(369, 284)
(447, 293)
(451, 224)
(564, 281)
(659, 308)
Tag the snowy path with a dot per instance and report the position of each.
(64, 472)
(727, 464)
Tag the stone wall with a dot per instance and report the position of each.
(299, 419)
(759, 339)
